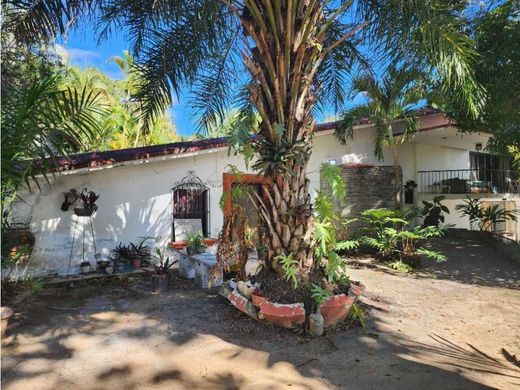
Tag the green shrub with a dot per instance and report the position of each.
(395, 237)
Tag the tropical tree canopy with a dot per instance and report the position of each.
(279, 60)
(393, 98)
(496, 35)
(120, 127)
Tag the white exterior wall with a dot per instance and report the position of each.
(135, 197)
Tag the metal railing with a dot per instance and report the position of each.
(468, 181)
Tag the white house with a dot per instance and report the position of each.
(136, 196)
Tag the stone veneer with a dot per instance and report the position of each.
(368, 187)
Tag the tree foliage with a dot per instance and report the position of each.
(390, 106)
(496, 35)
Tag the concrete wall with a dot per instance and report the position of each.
(462, 222)
(136, 198)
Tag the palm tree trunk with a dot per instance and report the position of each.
(287, 214)
(283, 65)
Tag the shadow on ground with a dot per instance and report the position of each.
(120, 336)
(473, 262)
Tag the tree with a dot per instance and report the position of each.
(41, 122)
(290, 51)
(389, 103)
(496, 34)
(120, 126)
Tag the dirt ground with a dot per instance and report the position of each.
(453, 325)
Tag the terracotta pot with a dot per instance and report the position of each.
(285, 315)
(5, 314)
(178, 245)
(335, 309)
(136, 262)
(257, 299)
(242, 304)
(356, 290)
(210, 241)
(161, 283)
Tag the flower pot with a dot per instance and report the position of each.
(210, 241)
(257, 299)
(84, 267)
(178, 245)
(136, 262)
(356, 290)
(102, 266)
(285, 315)
(5, 314)
(335, 309)
(85, 211)
(161, 283)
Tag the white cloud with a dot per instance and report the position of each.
(76, 56)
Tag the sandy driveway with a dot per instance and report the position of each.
(448, 327)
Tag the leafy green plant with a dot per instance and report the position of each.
(289, 266)
(194, 243)
(357, 314)
(400, 266)
(433, 211)
(326, 243)
(471, 208)
(320, 294)
(395, 237)
(495, 214)
(163, 263)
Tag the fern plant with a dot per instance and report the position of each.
(290, 267)
(325, 235)
(320, 294)
(394, 237)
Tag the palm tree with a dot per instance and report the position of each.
(389, 103)
(39, 123)
(294, 52)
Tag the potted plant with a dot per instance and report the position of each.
(102, 264)
(17, 240)
(139, 253)
(84, 267)
(433, 211)
(194, 244)
(161, 277)
(88, 206)
(471, 208)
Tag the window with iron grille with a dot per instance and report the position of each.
(190, 203)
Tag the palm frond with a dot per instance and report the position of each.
(345, 128)
(211, 91)
(337, 68)
(430, 35)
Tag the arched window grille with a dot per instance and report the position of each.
(190, 204)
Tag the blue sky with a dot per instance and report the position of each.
(84, 51)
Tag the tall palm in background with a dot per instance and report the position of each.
(298, 54)
(120, 127)
(391, 107)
